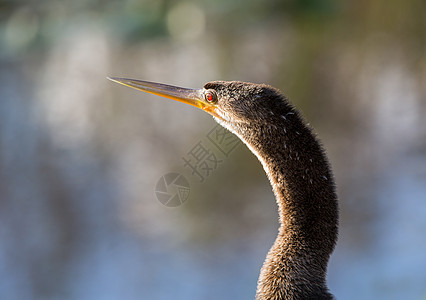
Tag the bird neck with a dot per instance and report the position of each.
(302, 182)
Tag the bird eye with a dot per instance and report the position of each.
(210, 96)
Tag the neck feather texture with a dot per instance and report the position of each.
(297, 167)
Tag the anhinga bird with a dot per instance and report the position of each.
(297, 168)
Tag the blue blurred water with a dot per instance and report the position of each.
(394, 264)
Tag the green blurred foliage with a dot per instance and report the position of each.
(135, 20)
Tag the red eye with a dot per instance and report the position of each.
(210, 97)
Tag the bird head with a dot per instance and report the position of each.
(233, 104)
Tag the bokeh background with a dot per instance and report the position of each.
(80, 156)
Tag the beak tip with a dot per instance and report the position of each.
(112, 78)
(119, 80)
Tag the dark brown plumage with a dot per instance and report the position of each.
(297, 167)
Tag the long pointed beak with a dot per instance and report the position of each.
(193, 97)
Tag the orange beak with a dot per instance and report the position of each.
(193, 97)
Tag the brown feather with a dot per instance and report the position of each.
(302, 181)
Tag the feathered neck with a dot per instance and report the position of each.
(297, 167)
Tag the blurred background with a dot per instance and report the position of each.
(80, 156)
